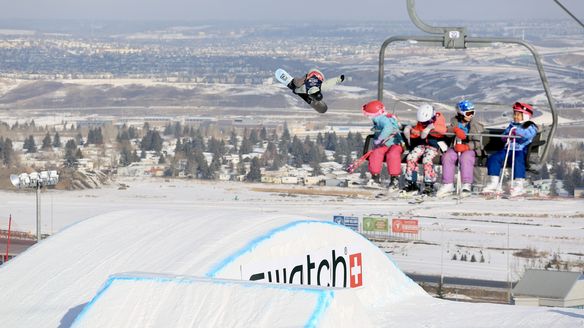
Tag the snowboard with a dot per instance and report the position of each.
(285, 78)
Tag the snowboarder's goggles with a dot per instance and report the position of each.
(469, 113)
(315, 73)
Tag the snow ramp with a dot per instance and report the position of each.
(151, 300)
(52, 283)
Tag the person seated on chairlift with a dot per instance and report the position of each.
(525, 130)
(464, 150)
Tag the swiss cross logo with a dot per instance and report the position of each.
(356, 270)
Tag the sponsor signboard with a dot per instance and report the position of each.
(351, 222)
(331, 267)
(375, 224)
(404, 226)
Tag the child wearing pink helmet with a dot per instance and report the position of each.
(387, 143)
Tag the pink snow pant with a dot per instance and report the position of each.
(427, 153)
(392, 156)
(467, 161)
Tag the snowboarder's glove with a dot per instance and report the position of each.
(407, 132)
(461, 148)
(313, 90)
(342, 77)
(459, 133)
(426, 131)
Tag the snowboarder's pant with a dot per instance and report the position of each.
(467, 161)
(392, 156)
(427, 153)
(495, 163)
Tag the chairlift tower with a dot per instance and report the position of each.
(36, 180)
(457, 38)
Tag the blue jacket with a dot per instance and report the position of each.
(387, 127)
(525, 131)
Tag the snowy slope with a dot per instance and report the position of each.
(78, 274)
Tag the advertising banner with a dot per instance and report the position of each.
(334, 267)
(375, 224)
(351, 222)
(404, 226)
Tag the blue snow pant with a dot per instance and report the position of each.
(495, 163)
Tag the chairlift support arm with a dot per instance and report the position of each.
(456, 38)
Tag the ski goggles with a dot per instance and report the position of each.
(469, 113)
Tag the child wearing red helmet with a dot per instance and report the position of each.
(525, 130)
(387, 142)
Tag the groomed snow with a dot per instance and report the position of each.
(160, 268)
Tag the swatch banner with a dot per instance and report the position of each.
(335, 267)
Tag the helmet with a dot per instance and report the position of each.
(315, 72)
(464, 106)
(525, 109)
(425, 113)
(373, 108)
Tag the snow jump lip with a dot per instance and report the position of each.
(321, 298)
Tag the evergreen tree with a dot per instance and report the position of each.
(47, 142)
(70, 151)
(285, 133)
(331, 141)
(254, 174)
(57, 140)
(263, 134)
(241, 166)
(7, 152)
(30, 145)
(246, 146)
(253, 137)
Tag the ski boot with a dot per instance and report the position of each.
(446, 189)
(492, 186)
(428, 189)
(393, 184)
(375, 181)
(466, 190)
(291, 86)
(411, 187)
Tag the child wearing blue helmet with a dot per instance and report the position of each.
(465, 148)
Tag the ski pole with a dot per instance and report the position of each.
(513, 164)
(355, 165)
(508, 144)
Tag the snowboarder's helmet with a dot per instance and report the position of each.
(525, 109)
(373, 108)
(465, 106)
(315, 72)
(425, 113)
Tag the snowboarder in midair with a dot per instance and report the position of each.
(310, 86)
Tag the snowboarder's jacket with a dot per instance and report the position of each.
(386, 127)
(437, 133)
(526, 132)
(475, 127)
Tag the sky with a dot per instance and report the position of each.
(270, 10)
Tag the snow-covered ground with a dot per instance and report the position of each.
(208, 266)
(479, 227)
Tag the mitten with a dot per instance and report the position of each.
(461, 148)
(459, 133)
(426, 131)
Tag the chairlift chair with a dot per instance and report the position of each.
(456, 38)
